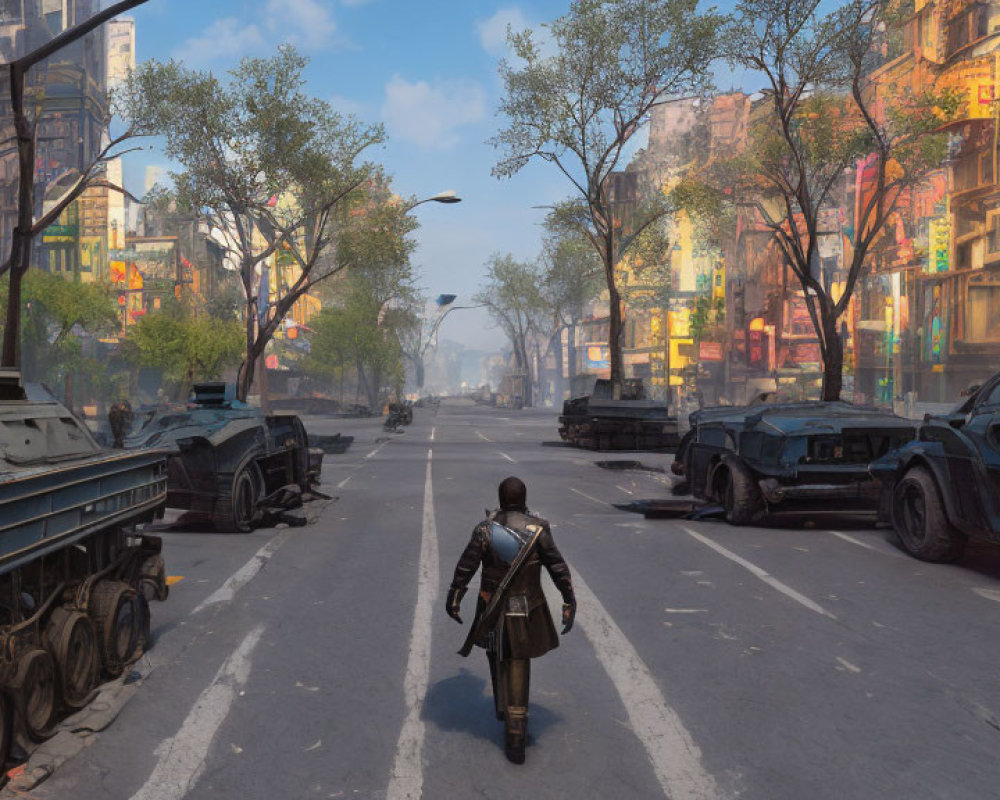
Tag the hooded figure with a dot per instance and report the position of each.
(512, 620)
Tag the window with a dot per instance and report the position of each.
(982, 313)
(970, 25)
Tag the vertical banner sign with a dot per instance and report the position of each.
(939, 244)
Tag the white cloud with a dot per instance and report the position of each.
(224, 38)
(493, 31)
(310, 20)
(308, 23)
(355, 2)
(430, 115)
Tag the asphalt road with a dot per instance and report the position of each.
(801, 661)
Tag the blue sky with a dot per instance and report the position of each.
(428, 71)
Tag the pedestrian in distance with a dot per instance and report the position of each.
(512, 620)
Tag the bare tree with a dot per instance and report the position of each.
(26, 135)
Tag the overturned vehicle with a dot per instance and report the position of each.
(814, 456)
(597, 422)
(944, 487)
(228, 461)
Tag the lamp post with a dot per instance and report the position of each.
(448, 196)
(445, 307)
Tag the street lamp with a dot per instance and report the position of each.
(445, 307)
(448, 196)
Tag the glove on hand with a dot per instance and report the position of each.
(568, 615)
(454, 603)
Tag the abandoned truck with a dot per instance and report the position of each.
(757, 459)
(227, 460)
(75, 577)
(598, 422)
(944, 486)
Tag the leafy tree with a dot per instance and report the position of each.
(512, 297)
(578, 109)
(571, 278)
(26, 107)
(268, 166)
(187, 348)
(56, 312)
(826, 115)
(358, 336)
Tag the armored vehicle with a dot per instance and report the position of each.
(226, 459)
(75, 577)
(813, 456)
(944, 486)
(597, 422)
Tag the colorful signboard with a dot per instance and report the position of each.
(710, 351)
(939, 244)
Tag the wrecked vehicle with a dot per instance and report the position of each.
(944, 487)
(228, 461)
(766, 457)
(75, 576)
(597, 422)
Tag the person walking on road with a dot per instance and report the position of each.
(512, 620)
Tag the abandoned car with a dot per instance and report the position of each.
(226, 459)
(944, 486)
(812, 456)
(598, 422)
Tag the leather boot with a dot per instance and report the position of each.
(516, 733)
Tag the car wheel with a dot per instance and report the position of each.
(920, 521)
(740, 497)
(240, 509)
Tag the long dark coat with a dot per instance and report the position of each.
(534, 635)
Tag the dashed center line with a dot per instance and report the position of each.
(589, 497)
(989, 594)
(483, 436)
(766, 577)
(344, 482)
(627, 491)
(860, 543)
(244, 574)
(182, 757)
(511, 460)
(432, 434)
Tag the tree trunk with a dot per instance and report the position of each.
(833, 360)
(571, 356)
(615, 340)
(559, 390)
(420, 373)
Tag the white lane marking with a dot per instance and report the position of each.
(592, 499)
(511, 460)
(483, 436)
(373, 452)
(848, 665)
(407, 778)
(244, 574)
(675, 757)
(989, 594)
(769, 579)
(432, 433)
(865, 545)
(627, 491)
(344, 482)
(686, 610)
(182, 757)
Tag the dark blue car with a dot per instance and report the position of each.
(944, 486)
